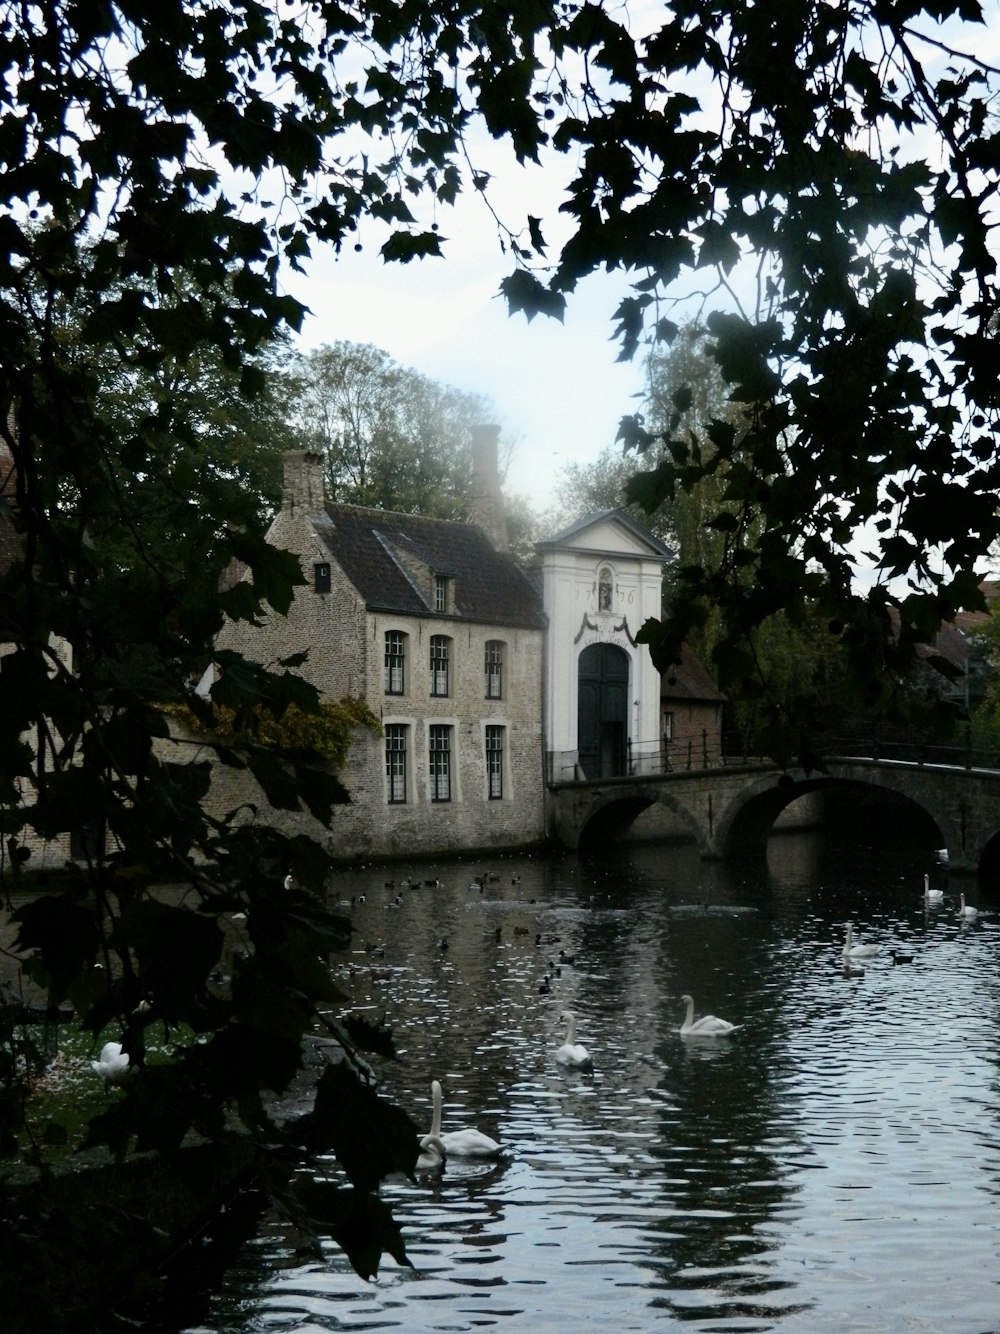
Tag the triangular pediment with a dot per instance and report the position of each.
(608, 533)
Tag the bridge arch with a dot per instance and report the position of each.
(747, 822)
(731, 810)
(612, 813)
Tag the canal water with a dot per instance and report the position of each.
(834, 1165)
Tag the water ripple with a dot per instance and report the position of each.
(834, 1166)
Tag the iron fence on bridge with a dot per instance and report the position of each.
(955, 755)
(661, 756)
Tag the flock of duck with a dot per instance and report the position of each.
(437, 1145)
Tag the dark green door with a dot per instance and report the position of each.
(602, 711)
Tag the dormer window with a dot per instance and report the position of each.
(441, 582)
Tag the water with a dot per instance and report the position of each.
(834, 1166)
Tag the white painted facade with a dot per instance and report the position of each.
(602, 579)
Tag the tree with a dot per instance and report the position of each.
(783, 668)
(603, 484)
(392, 438)
(178, 155)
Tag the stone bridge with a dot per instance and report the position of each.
(729, 810)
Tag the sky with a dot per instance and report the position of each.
(558, 389)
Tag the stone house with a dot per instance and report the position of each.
(440, 630)
(489, 681)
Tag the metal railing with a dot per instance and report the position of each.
(660, 756)
(953, 755)
(687, 755)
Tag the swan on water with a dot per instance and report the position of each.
(852, 951)
(966, 910)
(432, 1154)
(459, 1143)
(708, 1026)
(932, 895)
(573, 1053)
(112, 1064)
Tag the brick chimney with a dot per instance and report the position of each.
(303, 489)
(485, 500)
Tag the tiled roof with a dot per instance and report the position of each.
(688, 679)
(379, 550)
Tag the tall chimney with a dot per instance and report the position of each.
(485, 500)
(303, 489)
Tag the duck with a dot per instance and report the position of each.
(932, 895)
(852, 951)
(432, 1154)
(459, 1143)
(708, 1026)
(112, 1064)
(573, 1053)
(966, 911)
(899, 957)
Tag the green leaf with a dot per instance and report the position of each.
(525, 293)
(402, 247)
(62, 932)
(371, 1138)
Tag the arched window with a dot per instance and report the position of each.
(440, 655)
(493, 667)
(395, 662)
(440, 762)
(396, 748)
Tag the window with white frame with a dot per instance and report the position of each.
(440, 654)
(396, 736)
(395, 662)
(441, 592)
(494, 669)
(494, 762)
(440, 762)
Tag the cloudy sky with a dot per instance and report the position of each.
(558, 389)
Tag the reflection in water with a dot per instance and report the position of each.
(834, 1165)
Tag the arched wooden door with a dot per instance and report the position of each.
(602, 711)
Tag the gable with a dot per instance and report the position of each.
(607, 533)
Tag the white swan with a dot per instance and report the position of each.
(459, 1143)
(432, 1154)
(966, 910)
(932, 895)
(573, 1053)
(112, 1064)
(708, 1026)
(852, 951)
